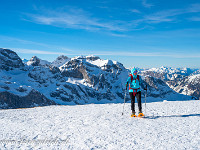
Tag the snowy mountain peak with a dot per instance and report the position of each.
(105, 64)
(62, 57)
(89, 57)
(97, 61)
(92, 57)
(9, 54)
(25, 60)
(35, 61)
(9, 59)
(61, 60)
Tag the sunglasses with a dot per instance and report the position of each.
(135, 72)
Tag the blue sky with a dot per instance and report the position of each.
(141, 33)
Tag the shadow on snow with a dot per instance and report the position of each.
(156, 117)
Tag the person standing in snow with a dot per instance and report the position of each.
(134, 83)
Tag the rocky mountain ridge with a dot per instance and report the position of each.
(71, 81)
(182, 80)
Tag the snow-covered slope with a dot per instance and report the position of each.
(167, 126)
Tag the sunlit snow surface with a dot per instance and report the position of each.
(168, 125)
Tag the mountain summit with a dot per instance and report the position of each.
(9, 60)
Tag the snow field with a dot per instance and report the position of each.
(168, 125)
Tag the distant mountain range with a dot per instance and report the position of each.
(85, 80)
(182, 80)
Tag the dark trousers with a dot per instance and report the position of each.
(138, 96)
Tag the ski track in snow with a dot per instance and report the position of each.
(168, 125)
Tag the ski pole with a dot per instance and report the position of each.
(124, 102)
(145, 98)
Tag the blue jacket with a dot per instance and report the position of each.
(135, 84)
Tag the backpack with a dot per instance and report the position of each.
(134, 90)
(138, 77)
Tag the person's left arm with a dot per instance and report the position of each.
(128, 81)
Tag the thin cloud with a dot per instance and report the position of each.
(22, 41)
(194, 8)
(136, 54)
(135, 11)
(119, 35)
(74, 18)
(169, 15)
(147, 5)
(194, 19)
(30, 51)
(108, 53)
(8, 38)
(163, 16)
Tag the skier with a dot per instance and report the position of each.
(134, 83)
